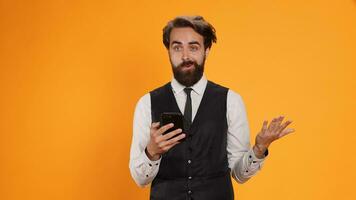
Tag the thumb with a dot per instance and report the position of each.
(286, 132)
(155, 125)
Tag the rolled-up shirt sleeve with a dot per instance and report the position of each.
(242, 160)
(142, 169)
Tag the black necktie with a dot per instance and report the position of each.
(188, 109)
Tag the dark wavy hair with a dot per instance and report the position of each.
(195, 22)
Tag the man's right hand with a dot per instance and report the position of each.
(160, 143)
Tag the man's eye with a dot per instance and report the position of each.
(176, 48)
(193, 48)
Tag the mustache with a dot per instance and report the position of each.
(186, 63)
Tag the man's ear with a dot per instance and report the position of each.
(207, 52)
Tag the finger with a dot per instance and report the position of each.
(155, 125)
(284, 125)
(172, 141)
(286, 132)
(171, 134)
(280, 119)
(277, 123)
(166, 148)
(264, 126)
(272, 125)
(164, 128)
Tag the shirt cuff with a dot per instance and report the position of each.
(253, 159)
(151, 163)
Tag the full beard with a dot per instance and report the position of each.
(190, 76)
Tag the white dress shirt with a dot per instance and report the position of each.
(241, 158)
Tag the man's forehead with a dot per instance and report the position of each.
(185, 35)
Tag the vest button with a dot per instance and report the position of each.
(189, 161)
(190, 178)
(190, 192)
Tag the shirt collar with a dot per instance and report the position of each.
(198, 87)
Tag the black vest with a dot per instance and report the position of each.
(197, 168)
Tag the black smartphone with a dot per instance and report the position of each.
(172, 117)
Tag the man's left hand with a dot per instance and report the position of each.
(267, 135)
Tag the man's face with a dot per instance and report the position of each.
(187, 55)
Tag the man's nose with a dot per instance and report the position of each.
(185, 55)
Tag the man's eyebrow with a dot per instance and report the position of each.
(194, 42)
(176, 42)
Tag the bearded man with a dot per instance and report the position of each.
(197, 161)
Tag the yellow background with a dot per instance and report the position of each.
(71, 73)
